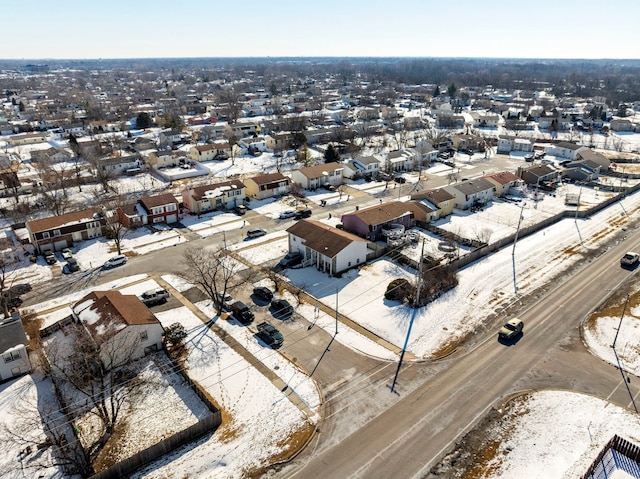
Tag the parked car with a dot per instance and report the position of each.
(306, 213)
(511, 329)
(256, 232)
(281, 308)
(66, 253)
(529, 158)
(629, 260)
(115, 261)
(263, 293)
(72, 265)
(241, 312)
(19, 289)
(291, 259)
(50, 257)
(400, 179)
(225, 300)
(240, 209)
(270, 335)
(155, 296)
(286, 214)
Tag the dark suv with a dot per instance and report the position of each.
(241, 312)
(281, 308)
(263, 292)
(270, 335)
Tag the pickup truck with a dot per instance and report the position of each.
(241, 312)
(629, 260)
(154, 296)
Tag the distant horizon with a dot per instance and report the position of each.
(165, 29)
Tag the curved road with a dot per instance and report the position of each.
(405, 440)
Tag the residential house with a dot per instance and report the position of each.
(503, 181)
(538, 175)
(595, 157)
(57, 232)
(242, 130)
(120, 325)
(485, 120)
(113, 166)
(363, 166)
(253, 145)
(317, 176)
(225, 195)
(463, 141)
(565, 149)
(171, 136)
(507, 144)
(26, 139)
(267, 186)
(13, 348)
(155, 209)
(213, 151)
(331, 250)
(279, 141)
(471, 193)
(370, 222)
(167, 158)
(402, 160)
(623, 124)
(554, 123)
(581, 170)
(51, 155)
(439, 200)
(322, 136)
(427, 153)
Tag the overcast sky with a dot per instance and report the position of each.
(36, 29)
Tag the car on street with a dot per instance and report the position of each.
(281, 308)
(286, 214)
(19, 289)
(66, 253)
(306, 213)
(270, 335)
(400, 179)
(115, 261)
(291, 259)
(256, 232)
(529, 158)
(629, 260)
(511, 329)
(263, 292)
(50, 257)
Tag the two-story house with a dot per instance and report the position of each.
(213, 151)
(150, 210)
(317, 176)
(470, 193)
(57, 232)
(439, 200)
(267, 186)
(503, 181)
(166, 158)
(225, 195)
(14, 359)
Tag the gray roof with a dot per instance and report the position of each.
(11, 334)
(473, 186)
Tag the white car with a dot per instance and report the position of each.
(115, 261)
(630, 259)
(286, 214)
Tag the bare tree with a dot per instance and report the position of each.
(54, 185)
(105, 377)
(230, 100)
(216, 272)
(103, 175)
(114, 226)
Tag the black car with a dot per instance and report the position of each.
(291, 259)
(306, 213)
(263, 293)
(281, 308)
(270, 335)
(72, 265)
(400, 179)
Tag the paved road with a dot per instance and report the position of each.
(406, 439)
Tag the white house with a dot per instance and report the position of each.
(225, 195)
(13, 348)
(120, 325)
(313, 177)
(565, 149)
(478, 191)
(507, 144)
(402, 160)
(327, 248)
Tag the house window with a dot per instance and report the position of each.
(157, 211)
(160, 219)
(144, 336)
(56, 232)
(11, 356)
(171, 207)
(45, 235)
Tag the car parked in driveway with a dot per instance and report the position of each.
(263, 292)
(281, 308)
(270, 335)
(66, 253)
(290, 259)
(511, 329)
(50, 257)
(154, 297)
(115, 261)
(256, 232)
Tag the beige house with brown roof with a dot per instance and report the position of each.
(57, 232)
(120, 325)
(438, 199)
(503, 181)
(26, 139)
(213, 151)
(327, 248)
(267, 186)
(370, 222)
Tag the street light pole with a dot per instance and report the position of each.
(336, 310)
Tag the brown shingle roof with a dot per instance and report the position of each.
(316, 171)
(269, 178)
(380, 214)
(158, 200)
(200, 191)
(502, 177)
(323, 238)
(438, 195)
(46, 224)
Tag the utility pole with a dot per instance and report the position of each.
(416, 302)
(513, 251)
(625, 379)
(336, 312)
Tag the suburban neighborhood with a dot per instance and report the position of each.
(219, 270)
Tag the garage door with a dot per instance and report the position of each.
(172, 218)
(58, 245)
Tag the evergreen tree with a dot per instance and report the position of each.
(143, 120)
(331, 155)
(436, 92)
(451, 91)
